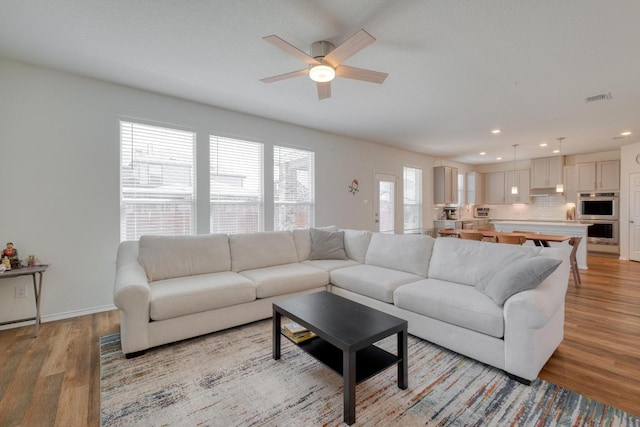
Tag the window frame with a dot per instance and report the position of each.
(415, 204)
(140, 197)
(291, 218)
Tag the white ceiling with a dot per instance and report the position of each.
(457, 69)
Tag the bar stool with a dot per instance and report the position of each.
(443, 232)
(575, 242)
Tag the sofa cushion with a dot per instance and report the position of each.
(372, 281)
(471, 262)
(452, 303)
(330, 264)
(264, 249)
(519, 276)
(408, 253)
(327, 244)
(166, 257)
(187, 295)
(286, 279)
(356, 243)
(302, 239)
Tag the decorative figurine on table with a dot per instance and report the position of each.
(11, 253)
(6, 263)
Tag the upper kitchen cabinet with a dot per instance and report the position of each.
(570, 187)
(597, 176)
(445, 185)
(494, 185)
(475, 188)
(546, 172)
(519, 179)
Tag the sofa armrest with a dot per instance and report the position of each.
(536, 306)
(132, 296)
(534, 321)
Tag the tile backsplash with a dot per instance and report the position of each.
(542, 207)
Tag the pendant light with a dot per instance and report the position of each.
(560, 186)
(514, 188)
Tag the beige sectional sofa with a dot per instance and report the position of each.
(451, 291)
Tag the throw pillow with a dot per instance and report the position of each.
(327, 244)
(519, 276)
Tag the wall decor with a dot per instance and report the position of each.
(353, 187)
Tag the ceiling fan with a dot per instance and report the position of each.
(325, 62)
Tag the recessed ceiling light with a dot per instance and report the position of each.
(556, 151)
(495, 131)
(482, 153)
(498, 158)
(544, 144)
(626, 133)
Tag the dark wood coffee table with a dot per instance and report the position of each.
(346, 332)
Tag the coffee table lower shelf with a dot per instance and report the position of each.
(369, 361)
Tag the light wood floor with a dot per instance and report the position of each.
(54, 379)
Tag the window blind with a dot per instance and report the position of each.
(236, 193)
(294, 188)
(412, 185)
(157, 190)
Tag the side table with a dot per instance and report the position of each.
(37, 290)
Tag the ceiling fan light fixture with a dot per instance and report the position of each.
(322, 73)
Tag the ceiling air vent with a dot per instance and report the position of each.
(595, 98)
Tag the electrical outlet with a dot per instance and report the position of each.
(21, 291)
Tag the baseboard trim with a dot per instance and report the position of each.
(60, 316)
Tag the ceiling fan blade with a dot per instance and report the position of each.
(292, 74)
(291, 50)
(324, 90)
(346, 50)
(360, 74)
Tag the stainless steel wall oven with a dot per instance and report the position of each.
(603, 232)
(598, 206)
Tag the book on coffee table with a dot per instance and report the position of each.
(299, 337)
(294, 328)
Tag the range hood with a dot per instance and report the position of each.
(550, 191)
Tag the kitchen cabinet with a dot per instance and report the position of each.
(475, 188)
(445, 185)
(446, 223)
(467, 224)
(570, 187)
(497, 187)
(597, 176)
(546, 172)
(494, 185)
(520, 179)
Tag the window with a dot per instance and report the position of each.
(293, 188)
(461, 190)
(236, 186)
(412, 200)
(157, 190)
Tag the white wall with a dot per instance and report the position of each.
(59, 148)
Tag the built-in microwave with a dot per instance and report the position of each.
(598, 206)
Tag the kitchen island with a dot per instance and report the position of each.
(572, 228)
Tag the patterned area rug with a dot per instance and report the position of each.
(230, 379)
